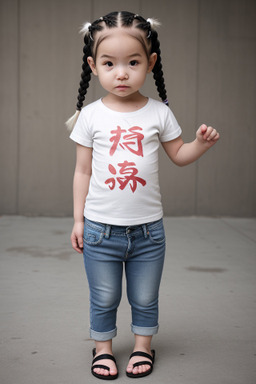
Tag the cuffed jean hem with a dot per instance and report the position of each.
(103, 336)
(144, 331)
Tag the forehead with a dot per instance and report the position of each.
(121, 40)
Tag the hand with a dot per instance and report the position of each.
(77, 237)
(207, 135)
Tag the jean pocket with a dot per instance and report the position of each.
(156, 233)
(92, 236)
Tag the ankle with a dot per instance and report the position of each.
(103, 347)
(143, 349)
(143, 344)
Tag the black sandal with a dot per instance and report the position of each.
(102, 357)
(145, 362)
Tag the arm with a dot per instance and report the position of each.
(186, 153)
(81, 182)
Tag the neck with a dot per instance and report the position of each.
(125, 104)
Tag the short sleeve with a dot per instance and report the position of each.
(81, 133)
(171, 129)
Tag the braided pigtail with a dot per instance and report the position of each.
(157, 70)
(85, 75)
(149, 26)
(84, 83)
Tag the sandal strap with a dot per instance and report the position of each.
(143, 363)
(143, 354)
(104, 356)
(100, 366)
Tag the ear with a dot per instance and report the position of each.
(152, 61)
(92, 65)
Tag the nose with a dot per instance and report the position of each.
(122, 73)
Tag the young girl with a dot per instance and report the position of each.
(117, 205)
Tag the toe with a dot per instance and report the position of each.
(141, 369)
(106, 372)
(137, 369)
(129, 368)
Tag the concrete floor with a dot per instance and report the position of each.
(207, 316)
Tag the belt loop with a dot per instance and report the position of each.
(107, 231)
(144, 227)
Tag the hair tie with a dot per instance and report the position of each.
(154, 23)
(70, 123)
(85, 30)
(166, 102)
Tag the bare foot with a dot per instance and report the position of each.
(102, 348)
(136, 359)
(107, 362)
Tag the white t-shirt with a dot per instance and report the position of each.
(124, 186)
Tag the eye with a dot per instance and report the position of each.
(108, 64)
(133, 63)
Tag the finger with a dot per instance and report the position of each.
(216, 138)
(212, 134)
(208, 133)
(203, 128)
(78, 249)
(80, 242)
(75, 244)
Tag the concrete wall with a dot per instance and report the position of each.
(209, 57)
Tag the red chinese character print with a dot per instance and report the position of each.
(129, 171)
(132, 141)
(116, 138)
(111, 181)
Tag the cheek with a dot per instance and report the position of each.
(105, 78)
(141, 77)
(102, 74)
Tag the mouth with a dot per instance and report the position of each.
(122, 87)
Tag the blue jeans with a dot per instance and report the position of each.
(107, 249)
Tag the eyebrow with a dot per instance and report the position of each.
(112, 57)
